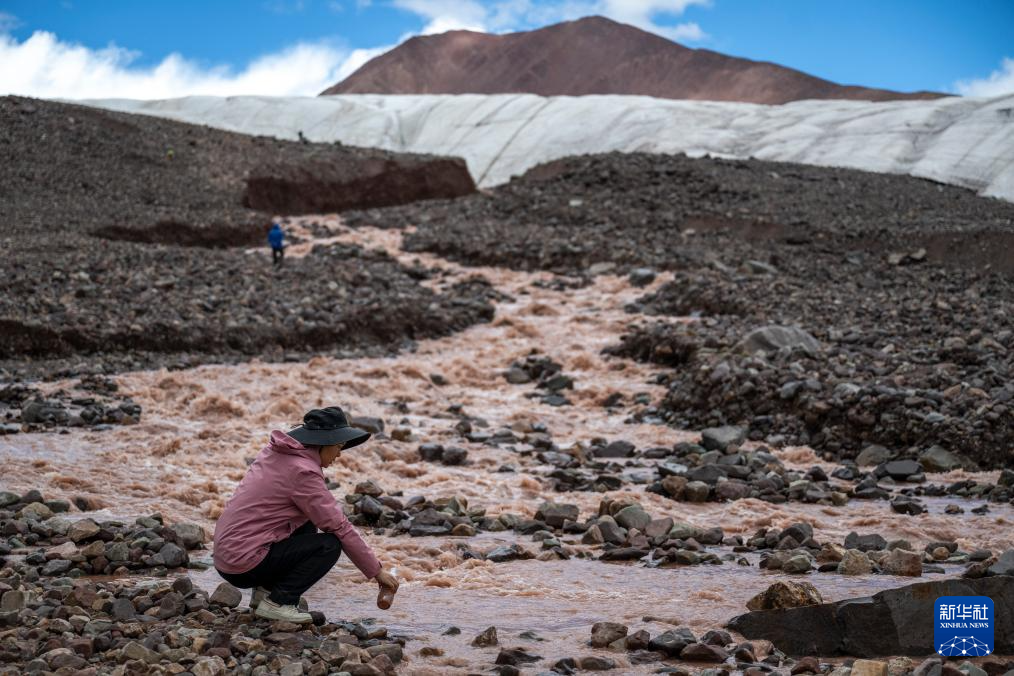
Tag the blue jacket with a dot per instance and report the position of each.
(276, 237)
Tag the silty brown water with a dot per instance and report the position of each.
(201, 425)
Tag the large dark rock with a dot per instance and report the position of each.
(892, 622)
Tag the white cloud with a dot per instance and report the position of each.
(506, 15)
(43, 66)
(997, 83)
(446, 15)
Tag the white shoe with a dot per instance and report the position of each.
(260, 593)
(270, 610)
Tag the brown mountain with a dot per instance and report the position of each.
(593, 55)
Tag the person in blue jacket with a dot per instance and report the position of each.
(276, 238)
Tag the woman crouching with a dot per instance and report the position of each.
(267, 538)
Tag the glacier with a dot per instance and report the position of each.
(956, 140)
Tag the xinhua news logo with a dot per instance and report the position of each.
(963, 626)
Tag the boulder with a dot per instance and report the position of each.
(1004, 565)
(938, 459)
(719, 438)
(782, 595)
(892, 622)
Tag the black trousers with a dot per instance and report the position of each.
(277, 255)
(292, 565)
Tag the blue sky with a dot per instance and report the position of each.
(145, 49)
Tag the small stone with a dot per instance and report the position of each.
(123, 610)
(82, 530)
(604, 633)
(369, 487)
(227, 595)
(855, 562)
(869, 668)
(700, 652)
(190, 535)
(901, 562)
(719, 438)
(594, 663)
(798, 564)
(486, 638)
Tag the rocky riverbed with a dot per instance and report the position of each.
(125, 246)
(523, 484)
(827, 307)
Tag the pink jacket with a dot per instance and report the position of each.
(281, 490)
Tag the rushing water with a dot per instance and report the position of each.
(200, 425)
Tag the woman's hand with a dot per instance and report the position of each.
(386, 580)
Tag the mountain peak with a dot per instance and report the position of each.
(590, 55)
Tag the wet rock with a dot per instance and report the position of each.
(454, 455)
(190, 535)
(900, 470)
(593, 663)
(173, 556)
(939, 459)
(226, 595)
(556, 514)
(783, 595)
(615, 449)
(902, 562)
(855, 562)
(486, 638)
(874, 626)
(700, 652)
(673, 641)
(1004, 565)
(906, 504)
(873, 455)
(632, 516)
(865, 543)
(516, 656)
(720, 438)
(368, 487)
(674, 486)
(641, 277)
(82, 530)
(604, 633)
(696, 491)
(798, 564)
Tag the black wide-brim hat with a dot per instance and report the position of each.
(326, 427)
